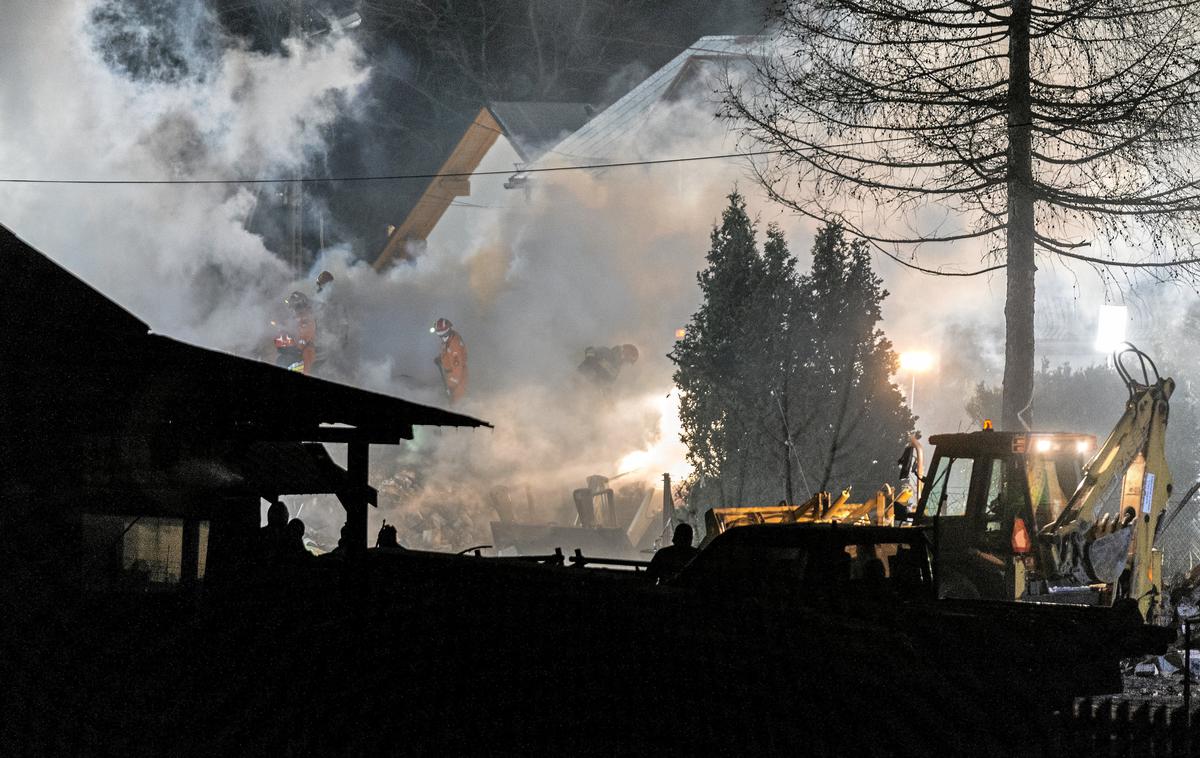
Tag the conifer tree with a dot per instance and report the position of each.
(711, 373)
(781, 336)
(783, 376)
(859, 419)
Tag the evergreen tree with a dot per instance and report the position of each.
(859, 421)
(784, 375)
(710, 372)
(781, 337)
(1047, 129)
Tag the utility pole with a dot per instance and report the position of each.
(1019, 302)
(295, 190)
(668, 504)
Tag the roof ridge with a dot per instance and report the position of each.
(588, 142)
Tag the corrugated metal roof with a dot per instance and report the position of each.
(596, 140)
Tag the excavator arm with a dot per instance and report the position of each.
(1085, 548)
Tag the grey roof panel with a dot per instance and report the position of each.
(595, 140)
(534, 126)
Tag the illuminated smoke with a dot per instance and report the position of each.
(98, 90)
(586, 258)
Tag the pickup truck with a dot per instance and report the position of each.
(886, 576)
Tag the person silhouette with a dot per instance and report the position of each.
(294, 548)
(345, 543)
(387, 537)
(669, 561)
(272, 538)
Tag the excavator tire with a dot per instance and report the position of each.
(957, 587)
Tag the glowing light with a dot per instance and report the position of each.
(1042, 445)
(680, 333)
(1083, 446)
(1110, 328)
(667, 454)
(916, 361)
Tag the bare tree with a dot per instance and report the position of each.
(1042, 128)
(504, 49)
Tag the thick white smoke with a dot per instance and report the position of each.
(579, 259)
(583, 258)
(85, 96)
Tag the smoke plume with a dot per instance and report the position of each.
(99, 89)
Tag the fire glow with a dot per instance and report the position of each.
(666, 454)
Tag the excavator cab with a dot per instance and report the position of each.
(987, 495)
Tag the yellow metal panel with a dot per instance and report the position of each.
(453, 181)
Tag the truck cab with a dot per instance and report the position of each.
(987, 495)
(811, 563)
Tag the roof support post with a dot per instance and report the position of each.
(355, 500)
(189, 561)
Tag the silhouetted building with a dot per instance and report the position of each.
(131, 457)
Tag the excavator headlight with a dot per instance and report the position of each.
(1042, 445)
(1083, 446)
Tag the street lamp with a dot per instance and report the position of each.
(1110, 328)
(915, 362)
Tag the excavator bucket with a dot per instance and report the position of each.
(1107, 556)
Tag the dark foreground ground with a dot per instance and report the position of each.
(422, 654)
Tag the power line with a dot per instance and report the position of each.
(468, 174)
(401, 177)
(548, 169)
(451, 174)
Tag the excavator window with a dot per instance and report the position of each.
(1003, 500)
(997, 497)
(861, 555)
(949, 484)
(1051, 482)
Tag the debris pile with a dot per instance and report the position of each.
(445, 517)
(1159, 678)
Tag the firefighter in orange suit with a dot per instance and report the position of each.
(452, 361)
(305, 327)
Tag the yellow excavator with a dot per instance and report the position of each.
(1006, 527)
(1033, 516)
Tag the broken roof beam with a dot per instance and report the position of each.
(453, 180)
